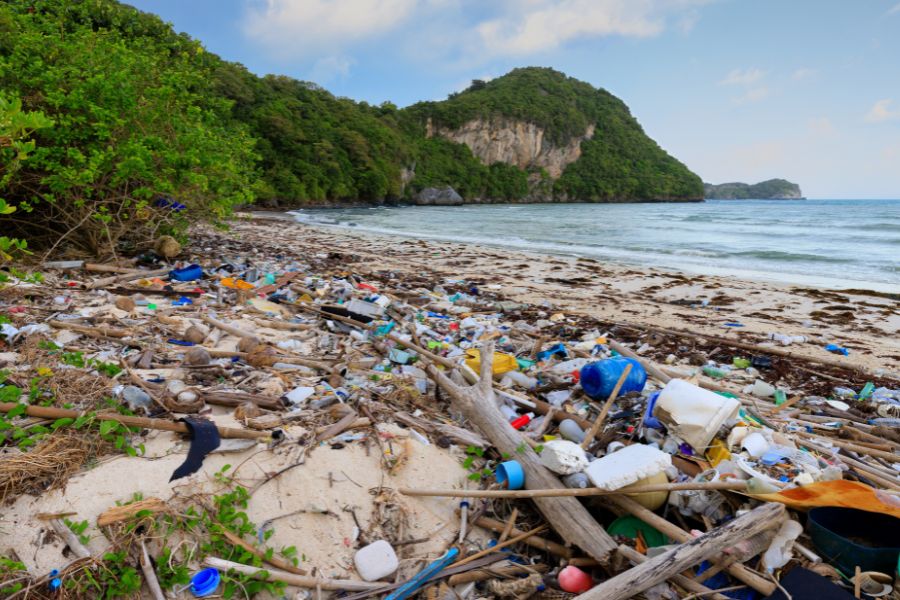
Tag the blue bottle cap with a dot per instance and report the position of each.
(205, 582)
(511, 473)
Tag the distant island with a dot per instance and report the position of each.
(772, 189)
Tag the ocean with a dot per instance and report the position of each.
(823, 243)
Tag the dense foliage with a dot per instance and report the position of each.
(135, 121)
(143, 117)
(769, 189)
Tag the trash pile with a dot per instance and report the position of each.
(507, 450)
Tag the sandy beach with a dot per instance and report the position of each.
(864, 322)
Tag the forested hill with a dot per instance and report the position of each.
(122, 111)
(771, 189)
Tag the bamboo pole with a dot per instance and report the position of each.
(105, 281)
(89, 329)
(49, 412)
(577, 492)
(888, 456)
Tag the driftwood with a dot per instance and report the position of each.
(662, 567)
(567, 516)
(484, 573)
(737, 570)
(681, 581)
(224, 398)
(69, 537)
(150, 574)
(90, 330)
(47, 412)
(128, 511)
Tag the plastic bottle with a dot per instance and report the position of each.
(599, 378)
(570, 430)
(885, 422)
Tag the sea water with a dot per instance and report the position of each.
(827, 243)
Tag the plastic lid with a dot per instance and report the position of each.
(205, 582)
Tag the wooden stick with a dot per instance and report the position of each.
(680, 580)
(648, 365)
(664, 566)
(48, 412)
(69, 537)
(100, 268)
(303, 581)
(510, 524)
(290, 360)
(105, 281)
(737, 570)
(273, 560)
(343, 424)
(493, 549)
(589, 436)
(888, 456)
(235, 331)
(106, 331)
(577, 492)
(871, 472)
(150, 574)
(534, 541)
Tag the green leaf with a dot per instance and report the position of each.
(108, 426)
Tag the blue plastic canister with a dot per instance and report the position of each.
(599, 378)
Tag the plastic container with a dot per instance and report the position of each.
(570, 430)
(188, 273)
(692, 413)
(847, 538)
(510, 473)
(599, 378)
(628, 526)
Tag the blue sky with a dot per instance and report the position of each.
(739, 90)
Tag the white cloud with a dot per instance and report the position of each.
(803, 73)
(881, 111)
(529, 26)
(331, 68)
(743, 77)
(821, 126)
(752, 95)
(288, 27)
(894, 10)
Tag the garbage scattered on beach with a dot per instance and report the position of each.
(550, 454)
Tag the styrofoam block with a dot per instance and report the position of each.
(564, 457)
(376, 560)
(627, 466)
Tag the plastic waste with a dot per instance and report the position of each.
(836, 349)
(564, 457)
(576, 480)
(205, 582)
(503, 363)
(693, 413)
(787, 340)
(376, 560)
(779, 552)
(136, 398)
(511, 473)
(574, 580)
(627, 466)
(599, 378)
(570, 430)
(188, 273)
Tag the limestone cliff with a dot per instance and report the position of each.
(516, 143)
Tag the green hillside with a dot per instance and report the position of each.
(132, 112)
(771, 189)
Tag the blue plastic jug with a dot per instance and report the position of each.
(599, 378)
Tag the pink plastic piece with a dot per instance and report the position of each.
(574, 580)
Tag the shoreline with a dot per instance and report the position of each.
(865, 322)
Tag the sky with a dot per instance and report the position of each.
(739, 90)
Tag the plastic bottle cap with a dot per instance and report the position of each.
(511, 473)
(205, 582)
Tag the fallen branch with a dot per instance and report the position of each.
(303, 581)
(681, 581)
(577, 492)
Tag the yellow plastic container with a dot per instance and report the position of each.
(649, 500)
(503, 363)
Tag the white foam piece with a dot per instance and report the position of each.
(626, 466)
(564, 457)
(376, 560)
